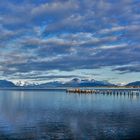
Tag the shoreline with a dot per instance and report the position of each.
(66, 88)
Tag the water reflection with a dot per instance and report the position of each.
(45, 115)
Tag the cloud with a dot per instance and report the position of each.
(69, 35)
(7, 34)
(128, 68)
(44, 77)
(57, 7)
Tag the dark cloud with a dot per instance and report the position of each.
(128, 69)
(69, 35)
(44, 77)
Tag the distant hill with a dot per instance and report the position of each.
(137, 83)
(5, 84)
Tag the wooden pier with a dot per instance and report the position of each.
(105, 91)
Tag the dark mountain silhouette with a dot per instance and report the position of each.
(136, 83)
(5, 83)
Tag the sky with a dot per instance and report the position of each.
(57, 40)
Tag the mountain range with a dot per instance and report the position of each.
(76, 82)
(73, 83)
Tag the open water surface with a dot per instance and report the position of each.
(55, 114)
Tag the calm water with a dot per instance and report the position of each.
(48, 115)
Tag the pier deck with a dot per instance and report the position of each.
(105, 91)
